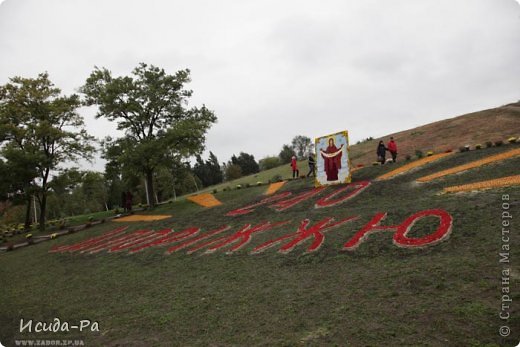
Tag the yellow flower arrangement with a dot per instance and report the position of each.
(494, 183)
(274, 187)
(412, 165)
(471, 165)
(205, 200)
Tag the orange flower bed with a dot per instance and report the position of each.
(472, 165)
(273, 188)
(141, 218)
(205, 200)
(412, 165)
(495, 183)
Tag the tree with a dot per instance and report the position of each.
(208, 171)
(17, 178)
(286, 154)
(301, 144)
(44, 127)
(247, 163)
(233, 171)
(150, 107)
(269, 163)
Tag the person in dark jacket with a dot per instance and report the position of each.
(129, 202)
(381, 152)
(123, 201)
(392, 148)
(312, 165)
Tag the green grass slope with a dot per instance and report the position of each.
(471, 129)
(379, 295)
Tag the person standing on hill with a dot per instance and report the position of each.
(123, 201)
(312, 165)
(392, 148)
(294, 166)
(381, 152)
(129, 202)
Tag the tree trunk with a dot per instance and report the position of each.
(149, 184)
(27, 224)
(43, 208)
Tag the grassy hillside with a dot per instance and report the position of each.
(444, 295)
(474, 128)
(469, 129)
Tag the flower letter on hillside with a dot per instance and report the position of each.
(400, 238)
(303, 233)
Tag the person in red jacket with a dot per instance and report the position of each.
(392, 148)
(294, 166)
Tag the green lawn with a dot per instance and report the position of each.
(379, 295)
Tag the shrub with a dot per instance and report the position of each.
(467, 148)
(462, 149)
(429, 153)
(448, 150)
(248, 185)
(478, 146)
(408, 157)
(360, 165)
(511, 139)
(276, 178)
(419, 154)
(215, 191)
(489, 144)
(499, 143)
(259, 183)
(375, 163)
(239, 186)
(269, 163)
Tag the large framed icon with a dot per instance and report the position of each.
(332, 159)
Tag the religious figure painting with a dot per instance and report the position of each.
(332, 159)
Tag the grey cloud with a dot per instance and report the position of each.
(272, 69)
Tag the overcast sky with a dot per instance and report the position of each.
(275, 69)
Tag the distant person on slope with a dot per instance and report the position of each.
(294, 166)
(312, 165)
(123, 201)
(381, 152)
(392, 148)
(129, 202)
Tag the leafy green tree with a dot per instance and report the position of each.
(247, 163)
(151, 108)
(233, 171)
(286, 154)
(269, 163)
(209, 171)
(215, 169)
(300, 145)
(44, 126)
(17, 178)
